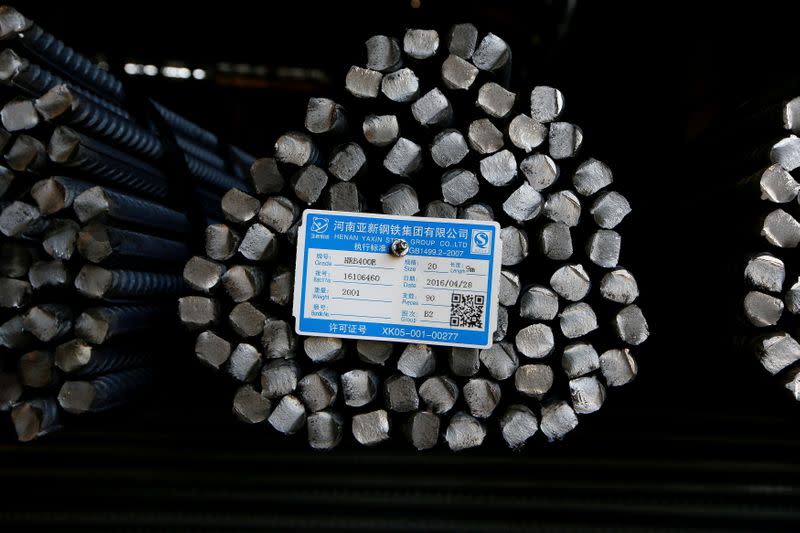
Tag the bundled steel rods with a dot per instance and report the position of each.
(93, 228)
(772, 298)
(428, 127)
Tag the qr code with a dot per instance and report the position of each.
(466, 310)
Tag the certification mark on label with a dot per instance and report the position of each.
(389, 278)
(481, 239)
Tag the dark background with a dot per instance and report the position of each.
(704, 438)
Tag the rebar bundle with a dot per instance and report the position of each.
(428, 126)
(99, 194)
(772, 300)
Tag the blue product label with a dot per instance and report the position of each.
(402, 279)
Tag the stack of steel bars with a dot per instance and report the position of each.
(99, 195)
(429, 127)
(772, 300)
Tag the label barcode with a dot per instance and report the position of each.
(466, 310)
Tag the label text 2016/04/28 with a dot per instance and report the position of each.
(449, 283)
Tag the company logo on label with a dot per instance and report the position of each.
(319, 225)
(481, 239)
